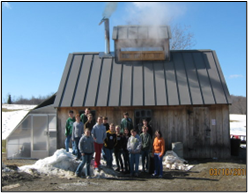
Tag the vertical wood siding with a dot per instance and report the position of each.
(191, 125)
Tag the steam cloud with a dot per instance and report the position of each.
(153, 13)
(109, 9)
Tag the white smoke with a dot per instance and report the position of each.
(153, 13)
(109, 9)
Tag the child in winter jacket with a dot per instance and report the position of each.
(86, 147)
(126, 136)
(68, 132)
(145, 148)
(119, 149)
(109, 144)
(134, 146)
(158, 152)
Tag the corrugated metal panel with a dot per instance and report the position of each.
(195, 90)
(214, 79)
(172, 90)
(102, 99)
(149, 84)
(181, 76)
(138, 87)
(115, 85)
(161, 90)
(92, 91)
(203, 79)
(72, 81)
(83, 81)
(190, 78)
(228, 97)
(126, 86)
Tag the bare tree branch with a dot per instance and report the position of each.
(182, 39)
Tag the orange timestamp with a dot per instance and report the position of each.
(227, 171)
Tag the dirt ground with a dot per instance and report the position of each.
(206, 175)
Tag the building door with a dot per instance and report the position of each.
(43, 135)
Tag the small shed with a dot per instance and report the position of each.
(183, 93)
(185, 97)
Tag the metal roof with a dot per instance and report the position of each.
(191, 77)
(141, 32)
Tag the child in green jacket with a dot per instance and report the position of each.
(146, 145)
(68, 131)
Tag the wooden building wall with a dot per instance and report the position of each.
(203, 130)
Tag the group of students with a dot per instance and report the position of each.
(126, 143)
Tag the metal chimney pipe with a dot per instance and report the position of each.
(107, 44)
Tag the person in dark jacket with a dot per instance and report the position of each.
(126, 122)
(146, 147)
(105, 123)
(119, 149)
(126, 136)
(90, 123)
(149, 128)
(86, 147)
(84, 116)
(109, 144)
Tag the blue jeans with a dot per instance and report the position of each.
(158, 164)
(145, 156)
(77, 151)
(134, 159)
(67, 144)
(85, 159)
(108, 156)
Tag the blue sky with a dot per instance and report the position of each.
(38, 36)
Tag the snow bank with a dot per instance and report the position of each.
(18, 107)
(237, 124)
(172, 161)
(61, 163)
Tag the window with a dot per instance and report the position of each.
(139, 115)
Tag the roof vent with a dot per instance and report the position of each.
(141, 43)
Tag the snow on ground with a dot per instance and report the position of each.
(63, 164)
(12, 118)
(237, 124)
